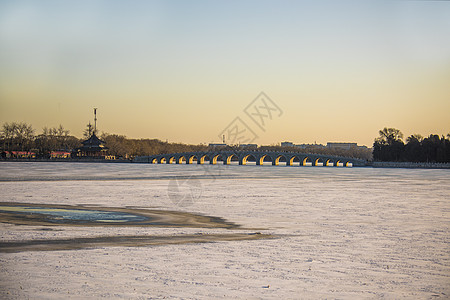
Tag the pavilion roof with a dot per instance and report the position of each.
(93, 144)
(93, 141)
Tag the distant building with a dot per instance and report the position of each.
(212, 145)
(304, 146)
(60, 154)
(287, 144)
(92, 147)
(240, 146)
(301, 146)
(342, 146)
(248, 146)
(19, 154)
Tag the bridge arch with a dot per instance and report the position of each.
(294, 161)
(229, 158)
(180, 159)
(318, 162)
(329, 163)
(191, 158)
(279, 158)
(348, 164)
(171, 160)
(162, 160)
(263, 158)
(202, 158)
(245, 158)
(215, 158)
(154, 161)
(307, 161)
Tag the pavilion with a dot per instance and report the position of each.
(92, 147)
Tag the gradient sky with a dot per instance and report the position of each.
(183, 70)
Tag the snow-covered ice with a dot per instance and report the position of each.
(342, 233)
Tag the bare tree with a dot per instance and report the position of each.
(8, 130)
(25, 135)
(17, 136)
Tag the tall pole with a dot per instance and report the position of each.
(95, 120)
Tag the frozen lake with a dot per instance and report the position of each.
(341, 232)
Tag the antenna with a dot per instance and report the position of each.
(223, 139)
(95, 120)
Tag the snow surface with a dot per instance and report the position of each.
(343, 233)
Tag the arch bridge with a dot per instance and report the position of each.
(243, 157)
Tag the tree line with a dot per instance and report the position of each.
(121, 146)
(389, 146)
(20, 136)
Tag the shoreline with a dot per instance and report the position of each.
(125, 241)
(409, 165)
(70, 160)
(16, 213)
(375, 164)
(153, 217)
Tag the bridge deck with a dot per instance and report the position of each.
(259, 157)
